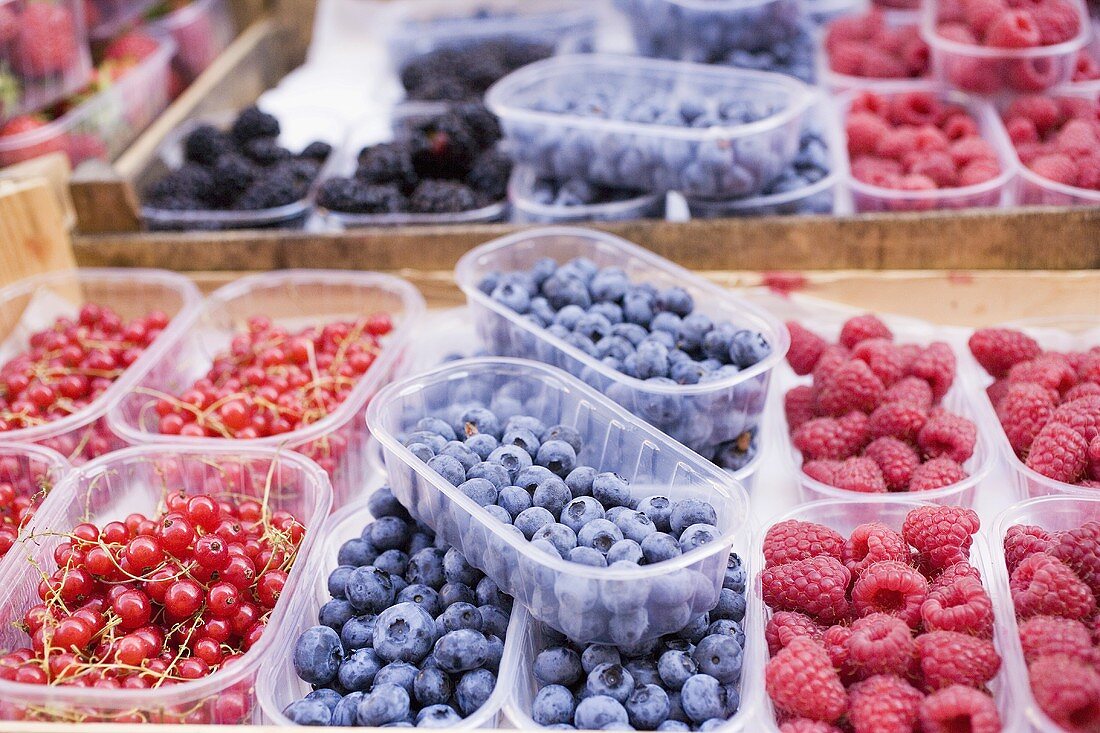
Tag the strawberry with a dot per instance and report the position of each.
(47, 43)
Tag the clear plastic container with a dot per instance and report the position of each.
(35, 303)
(294, 299)
(708, 31)
(586, 603)
(102, 126)
(279, 685)
(526, 210)
(718, 161)
(428, 25)
(23, 464)
(698, 415)
(1054, 514)
(137, 480)
(996, 192)
(1061, 333)
(106, 19)
(39, 69)
(837, 82)
(987, 70)
(1035, 190)
(844, 516)
(202, 29)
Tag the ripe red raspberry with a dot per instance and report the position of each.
(935, 365)
(859, 474)
(1045, 586)
(1080, 550)
(835, 642)
(879, 644)
(798, 406)
(997, 390)
(941, 535)
(1059, 452)
(935, 164)
(801, 682)
(794, 540)
(969, 149)
(980, 13)
(949, 658)
(816, 587)
(785, 626)
(911, 391)
(884, 704)
(1050, 370)
(1022, 541)
(821, 470)
(877, 171)
(1013, 29)
(1083, 389)
(1094, 459)
(887, 360)
(978, 171)
(958, 708)
(805, 725)
(897, 143)
(962, 606)
(960, 125)
(863, 130)
(1077, 139)
(947, 434)
(1041, 636)
(1057, 167)
(999, 349)
(954, 573)
(826, 437)
(915, 108)
(1023, 412)
(893, 588)
(1083, 415)
(896, 460)
(806, 348)
(936, 474)
(870, 543)
(897, 420)
(859, 328)
(851, 386)
(1067, 690)
(831, 359)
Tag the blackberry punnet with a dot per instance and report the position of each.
(457, 74)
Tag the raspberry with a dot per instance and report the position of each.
(798, 406)
(1067, 690)
(815, 587)
(861, 328)
(1013, 29)
(1057, 167)
(957, 708)
(827, 437)
(895, 459)
(950, 658)
(879, 644)
(821, 470)
(1022, 541)
(881, 64)
(911, 391)
(934, 164)
(1077, 138)
(1094, 459)
(1049, 370)
(892, 588)
(897, 143)
(1059, 452)
(864, 131)
(835, 641)
(854, 28)
(978, 171)
(1042, 585)
(969, 149)
(805, 725)
(1082, 415)
(936, 474)
(859, 474)
(935, 365)
(999, 349)
(847, 57)
(851, 386)
(785, 626)
(831, 359)
(876, 171)
(980, 13)
(1043, 112)
(884, 704)
(897, 420)
(1057, 21)
(801, 681)
(793, 540)
(947, 434)
(1041, 636)
(871, 543)
(958, 126)
(1088, 169)
(1021, 130)
(886, 359)
(963, 606)
(806, 348)
(1079, 549)
(955, 572)
(941, 535)
(915, 108)
(1023, 412)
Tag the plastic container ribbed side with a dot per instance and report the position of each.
(526, 209)
(995, 192)
(279, 685)
(30, 469)
(586, 603)
(987, 70)
(1054, 514)
(137, 480)
(712, 161)
(35, 303)
(701, 416)
(44, 57)
(844, 516)
(202, 29)
(295, 299)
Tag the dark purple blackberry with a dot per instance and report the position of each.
(303, 170)
(489, 175)
(232, 175)
(190, 182)
(444, 147)
(316, 150)
(205, 144)
(456, 74)
(353, 196)
(481, 122)
(271, 191)
(265, 151)
(253, 123)
(435, 196)
(388, 163)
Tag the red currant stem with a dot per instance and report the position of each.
(200, 415)
(182, 647)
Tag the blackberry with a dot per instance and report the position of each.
(253, 123)
(265, 151)
(521, 53)
(481, 122)
(231, 177)
(434, 196)
(489, 175)
(457, 74)
(389, 163)
(441, 89)
(353, 196)
(190, 182)
(205, 144)
(444, 147)
(271, 191)
(303, 170)
(317, 150)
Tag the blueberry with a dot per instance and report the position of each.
(358, 671)
(598, 712)
(335, 613)
(545, 546)
(482, 444)
(587, 556)
(492, 472)
(644, 668)
(345, 714)
(632, 332)
(393, 562)
(693, 329)
(514, 500)
(420, 540)
(404, 632)
(437, 716)
(462, 650)
(726, 627)
(599, 534)
(637, 309)
(558, 456)
(691, 511)
(330, 698)
(422, 452)
(524, 422)
(716, 342)
(651, 359)
(308, 712)
(401, 674)
(522, 438)
(702, 698)
(697, 535)
(563, 290)
(356, 553)
(498, 514)
(552, 495)
(457, 570)
(731, 605)
(552, 705)
(338, 580)
(481, 491)
(609, 284)
(384, 704)
(512, 458)
(496, 653)
(673, 725)
(532, 520)
(675, 667)
(437, 426)
(452, 593)
(434, 441)
(357, 632)
(389, 533)
(675, 300)
(423, 596)
(613, 513)
(560, 536)
(647, 707)
(564, 433)
(512, 296)
(530, 477)
(317, 655)
(580, 511)
(540, 307)
(735, 574)
(634, 525)
(748, 348)
(695, 629)
(557, 666)
(474, 689)
(580, 480)
(487, 593)
(568, 316)
(615, 347)
(461, 616)
(612, 680)
(720, 657)
(465, 456)
(432, 686)
(426, 568)
(625, 551)
(659, 510)
(478, 420)
(611, 489)
(449, 467)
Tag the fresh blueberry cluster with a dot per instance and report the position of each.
(650, 334)
(577, 192)
(684, 681)
(527, 474)
(413, 634)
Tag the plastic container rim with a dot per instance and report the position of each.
(523, 179)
